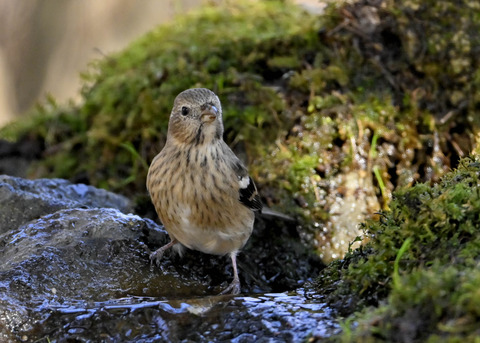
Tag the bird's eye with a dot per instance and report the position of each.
(185, 110)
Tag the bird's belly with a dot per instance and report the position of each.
(212, 242)
(218, 240)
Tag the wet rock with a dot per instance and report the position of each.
(351, 199)
(87, 255)
(23, 200)
(274, 317)
(73, 269)
(274, 259)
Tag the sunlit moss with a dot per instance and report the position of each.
(429, 288)
(386, 93)
(233, 49)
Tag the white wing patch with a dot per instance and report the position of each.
(244, 182)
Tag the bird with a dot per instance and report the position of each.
(201, 190)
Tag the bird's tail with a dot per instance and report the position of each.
(268, 212)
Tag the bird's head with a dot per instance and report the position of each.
(196, 117)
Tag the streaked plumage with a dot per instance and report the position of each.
(201, 190)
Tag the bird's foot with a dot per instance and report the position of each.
(157, 255)
(233, 288)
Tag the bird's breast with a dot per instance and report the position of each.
(195, 193)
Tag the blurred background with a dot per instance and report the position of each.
(44, 45)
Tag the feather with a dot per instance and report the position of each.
(248, 194)
(268, 212)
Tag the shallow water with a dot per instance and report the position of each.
(272, 317)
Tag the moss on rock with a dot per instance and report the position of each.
(417, 278)
(371, 91)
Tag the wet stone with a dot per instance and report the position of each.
(23, 200)
(74, 266)
(208, 319)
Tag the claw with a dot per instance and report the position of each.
(157, 255)
(234, 287)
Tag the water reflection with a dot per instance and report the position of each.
(289, 316)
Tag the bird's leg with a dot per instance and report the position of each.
(157, 255)
(234, 287)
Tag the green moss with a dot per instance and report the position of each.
(420, 266)
(375, 92)
(127, 97)
(382, 103)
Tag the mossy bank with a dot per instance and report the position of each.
(331, 112)
(417, 279)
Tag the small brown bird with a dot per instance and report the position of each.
(201, 190)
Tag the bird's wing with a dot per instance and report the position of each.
(248, 194)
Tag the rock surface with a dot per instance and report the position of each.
(23, 200)
(75, 265)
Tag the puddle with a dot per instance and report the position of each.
(278, 317)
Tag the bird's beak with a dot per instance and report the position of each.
(209, 114)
